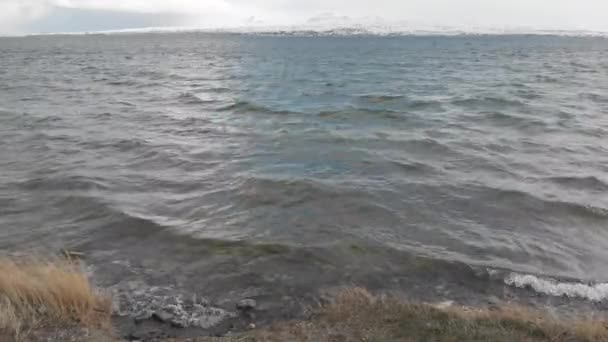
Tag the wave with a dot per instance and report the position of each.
(427, 146)
(488, 101)
(414, 167)
(191, 98)
(404, 103)
(593, 292)
(546, 79)
(151, 74)
(128, 83)
(556, 206)
(502, 118)
(290, 193)
(595, 97)
(380, 98)
(584, 182)
(122, 145)
(425, 104)
(93, 217)
(248, 107)
(354, 112)
(528, 94)
(109, 220)
(49, 119)
(220, 90)
(64, 183)
(126, 103)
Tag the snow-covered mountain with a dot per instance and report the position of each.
(329, 24)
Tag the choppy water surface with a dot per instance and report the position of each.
(151, 152)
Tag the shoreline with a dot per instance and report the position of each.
(48, 307)
(354, 314)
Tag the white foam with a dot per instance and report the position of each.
(593, 292)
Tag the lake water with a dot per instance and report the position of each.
(243, 163)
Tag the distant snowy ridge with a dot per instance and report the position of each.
(341, 31)
(329, 24)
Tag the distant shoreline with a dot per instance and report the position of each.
(355, 30)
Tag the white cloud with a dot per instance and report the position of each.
(542, 14)
(152, 6)
(14, 14)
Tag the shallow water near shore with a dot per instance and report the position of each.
(247, 166)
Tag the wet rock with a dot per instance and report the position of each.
(196, 301)
(162, 316)
(140, 303)
(180, 322)
(199, 307)
(493, 300)
(494, 303)
(136, 336)
(211, 317)
(175, 310)
(143, 316)
(326, 298)
(206, 322)
(246, 305)
(146, 335)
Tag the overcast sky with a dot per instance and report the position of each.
(27, 16)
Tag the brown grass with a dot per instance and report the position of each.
(36, 294)
(356, 315)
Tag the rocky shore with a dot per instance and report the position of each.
(56, 301)
(156, 313)
(351, 314)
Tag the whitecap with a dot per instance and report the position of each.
(594, 292)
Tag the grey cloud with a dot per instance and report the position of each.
(84, 20)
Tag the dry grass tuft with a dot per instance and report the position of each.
(356, 315)
(36, 294)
